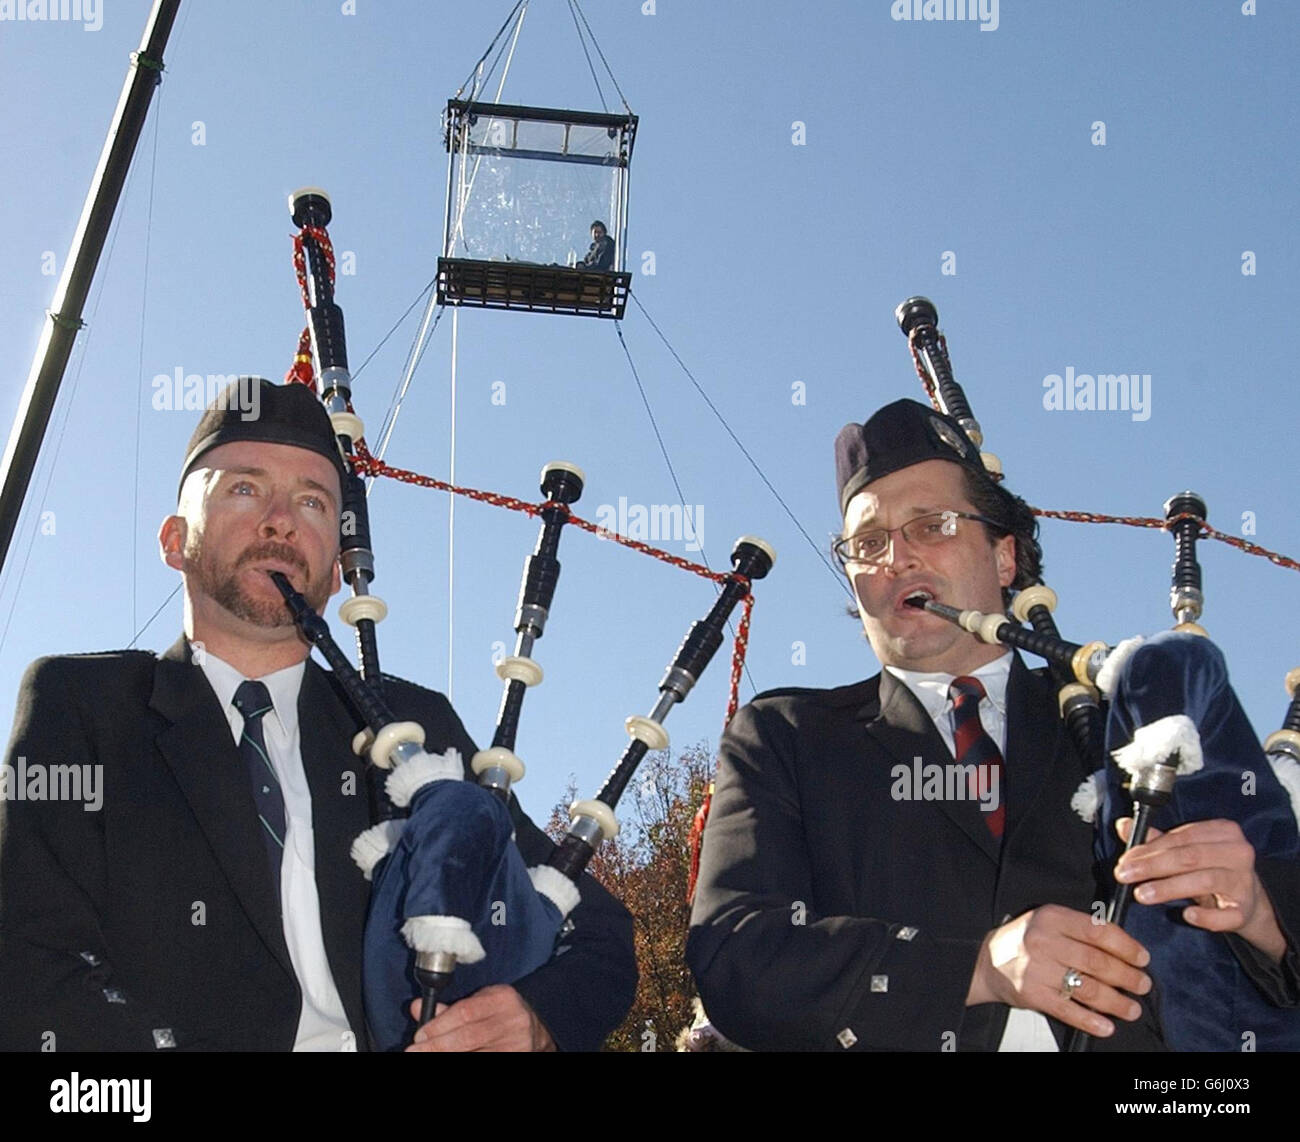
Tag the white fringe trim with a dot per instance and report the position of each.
(1087, 798)
(443, 934)
(1155, 742)
(556, 887)
(406, 780)
(1107, 676)
(376, 843)
(1287, 771)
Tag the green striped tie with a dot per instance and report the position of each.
(253, 701)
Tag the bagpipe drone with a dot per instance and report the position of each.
(1181, 746)
(441, 854)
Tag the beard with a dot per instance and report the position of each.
(226, 587)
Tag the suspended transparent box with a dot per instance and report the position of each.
(524, 187)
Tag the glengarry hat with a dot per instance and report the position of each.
(895, 437)
(253, 408)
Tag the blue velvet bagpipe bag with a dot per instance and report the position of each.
(1207, 1001)
(456, 857)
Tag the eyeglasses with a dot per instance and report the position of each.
(930, 530)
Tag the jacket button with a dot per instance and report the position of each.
(846, 1038)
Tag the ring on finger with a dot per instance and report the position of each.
(1071, 982)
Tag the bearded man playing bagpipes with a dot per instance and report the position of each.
(921, 861)
(211, 903)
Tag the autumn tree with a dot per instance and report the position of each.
(647, 867)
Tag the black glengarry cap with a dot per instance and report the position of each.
(897, 436)
(253, 408)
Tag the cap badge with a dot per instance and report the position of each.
(949, 436)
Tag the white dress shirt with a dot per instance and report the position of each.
(1026, 1030)
(322, 1023)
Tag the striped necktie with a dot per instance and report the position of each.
(973, 746)
(253, 701)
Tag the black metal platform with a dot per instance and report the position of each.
(542, 289)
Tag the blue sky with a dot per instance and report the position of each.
(926, 145)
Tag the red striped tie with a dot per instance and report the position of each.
(975, 747)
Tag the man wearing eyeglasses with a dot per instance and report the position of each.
(895, 864)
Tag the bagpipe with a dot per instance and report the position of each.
(1169, 743)
(453, 906)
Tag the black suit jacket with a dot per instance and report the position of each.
(156, 913)
(831, 914)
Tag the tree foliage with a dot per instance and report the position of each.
(647, 867)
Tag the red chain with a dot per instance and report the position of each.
(300, 257)
(371, 465)
(921, 370)
(738, 663)
(301, 372)
(1207, 532)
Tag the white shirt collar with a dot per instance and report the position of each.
(931, 687)
(283, 686)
